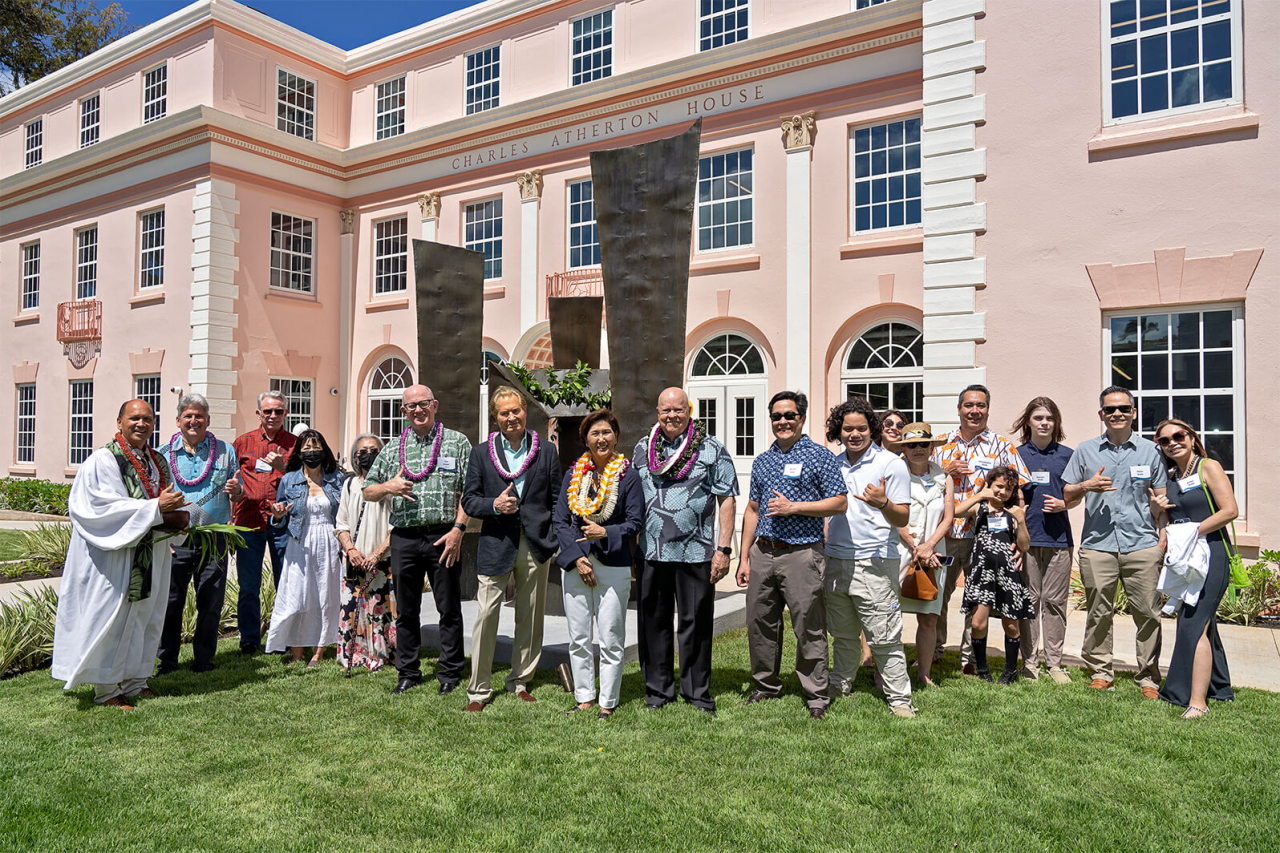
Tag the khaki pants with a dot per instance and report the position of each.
(1101, 572)
(862, 595)
(960, 551)
(530, 604)
(791, 578)
(1048, 574)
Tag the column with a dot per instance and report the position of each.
(953, 218)
(429, 204)
(346, 315)
(214, 263)
(798, 132)
(530, 184)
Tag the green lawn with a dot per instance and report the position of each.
(258, 756)
(10, 545)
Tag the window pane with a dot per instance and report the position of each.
(1155, 372)
(1155, 332)
(1186, 331)
(1217, 329)
(1219, 415)
(1151, 411)
(1221, 447)
(1218, 370)
(1124, 334)
(1186, 370)
(1124, 370)
(1187, 408)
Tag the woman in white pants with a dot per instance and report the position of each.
(597, 517)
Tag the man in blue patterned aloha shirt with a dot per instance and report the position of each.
(796, 483)
(689, 481)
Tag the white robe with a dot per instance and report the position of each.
(99, 637)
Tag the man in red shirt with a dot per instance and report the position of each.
(262, 454)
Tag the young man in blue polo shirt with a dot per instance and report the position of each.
(797, 483)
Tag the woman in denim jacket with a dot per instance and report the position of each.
(309, 599)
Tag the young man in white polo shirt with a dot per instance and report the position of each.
(861, 585)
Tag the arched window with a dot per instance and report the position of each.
(486, 358)
(386, 387)
(539, 354)
(885, 364)
(728, 355)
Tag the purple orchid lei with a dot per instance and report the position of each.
(431, 463)
(678, 465)
(208, 465)
(528, 459)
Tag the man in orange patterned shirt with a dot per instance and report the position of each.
(971, 451)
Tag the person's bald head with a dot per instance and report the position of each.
(419, 406)
(674, 412)
(136, 421)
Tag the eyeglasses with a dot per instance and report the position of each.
(270, 412)
(1111, 410)
(413, 407)
(784, 416)
(1179, 436)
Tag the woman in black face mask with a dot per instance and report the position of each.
(366, 627)
(307, 603)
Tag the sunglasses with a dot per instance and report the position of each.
(784, 416)
(1111, 410)
(273, 412)
(1179, 436)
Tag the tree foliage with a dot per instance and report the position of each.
(38, 37)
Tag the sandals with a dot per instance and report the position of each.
(605, 713)
(1198, 712)
(587, 706)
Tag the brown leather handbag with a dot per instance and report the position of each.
(919, 583)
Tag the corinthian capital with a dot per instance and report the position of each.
(429, 204)
(530, 184)
(798, 130)
(348, 218)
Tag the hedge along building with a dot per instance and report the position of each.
(896, 199)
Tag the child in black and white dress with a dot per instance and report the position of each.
(993, 584)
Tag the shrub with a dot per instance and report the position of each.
(1243, 605)
(26, 630)
(45, 548)
(22, 494)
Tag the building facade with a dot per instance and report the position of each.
(895, 199)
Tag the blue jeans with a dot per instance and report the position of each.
(249, 573)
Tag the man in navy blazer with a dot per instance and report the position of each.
(512, 484)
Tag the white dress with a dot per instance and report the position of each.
(928, 502)
(309, 599)
(99, 637)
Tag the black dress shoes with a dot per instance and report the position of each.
(248, 648)
(446, 689)
(406, 684)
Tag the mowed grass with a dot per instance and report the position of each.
(11, 545)
(260, 756)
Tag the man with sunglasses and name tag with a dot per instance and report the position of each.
(1119, 474)
(262, 454)
(794, 485)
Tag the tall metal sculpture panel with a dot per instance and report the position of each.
(644, 197)
(450, 304)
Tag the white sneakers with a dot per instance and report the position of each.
(1059, 675)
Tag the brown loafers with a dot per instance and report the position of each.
(118, 702)
(1101, 684)
(525, 696)
(1150, 693)
(474, 707)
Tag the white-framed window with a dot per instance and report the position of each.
(1185, 362)
(151, 249)
(292, 252)
(80, 426)
(295, 105)
(885, 366)
(725, 200)
(90, 120)
(584, 239)
(389, 109)
(728, 387)
(866, 4)
(146, 387)
(591, 54)
(31, 276)
(386, 389)
(155, 93)
(728, 355)
(391, 256)
(87, 262)
(35, 144)
(483, 79)
(298, 398)
(1170, 56)
(722, 22)
(482, 224)
(25, 452)
(886, 175)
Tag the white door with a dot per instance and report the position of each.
(734, 413)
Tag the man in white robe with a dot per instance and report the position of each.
(111, 606)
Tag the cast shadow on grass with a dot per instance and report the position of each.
(233, 671)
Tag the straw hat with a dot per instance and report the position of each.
(919, 433)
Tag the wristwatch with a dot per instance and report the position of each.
(727, 550)
(458, 525)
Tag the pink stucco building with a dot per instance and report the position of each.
(897, 199)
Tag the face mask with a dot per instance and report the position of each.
(365, 459)
(312, 458)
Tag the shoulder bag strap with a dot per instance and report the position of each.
(1229, 541)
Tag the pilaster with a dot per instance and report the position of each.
(797, 139)
(213, 296)
(530, 184)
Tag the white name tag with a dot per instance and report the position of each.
(997, 523)
(792, 470)
(1189, 483)
(261, 466)
(1140, 472)
(1040, 478)
(447, 463)
(984, 463)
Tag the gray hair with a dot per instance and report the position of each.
(271, 395)
(190, 399)
(359, 438)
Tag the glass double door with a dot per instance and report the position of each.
(734, 412)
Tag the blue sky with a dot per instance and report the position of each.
(344, 23)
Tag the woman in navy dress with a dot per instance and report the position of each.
(1198, 669)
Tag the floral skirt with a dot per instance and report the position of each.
(367, 629)
(992, 580)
